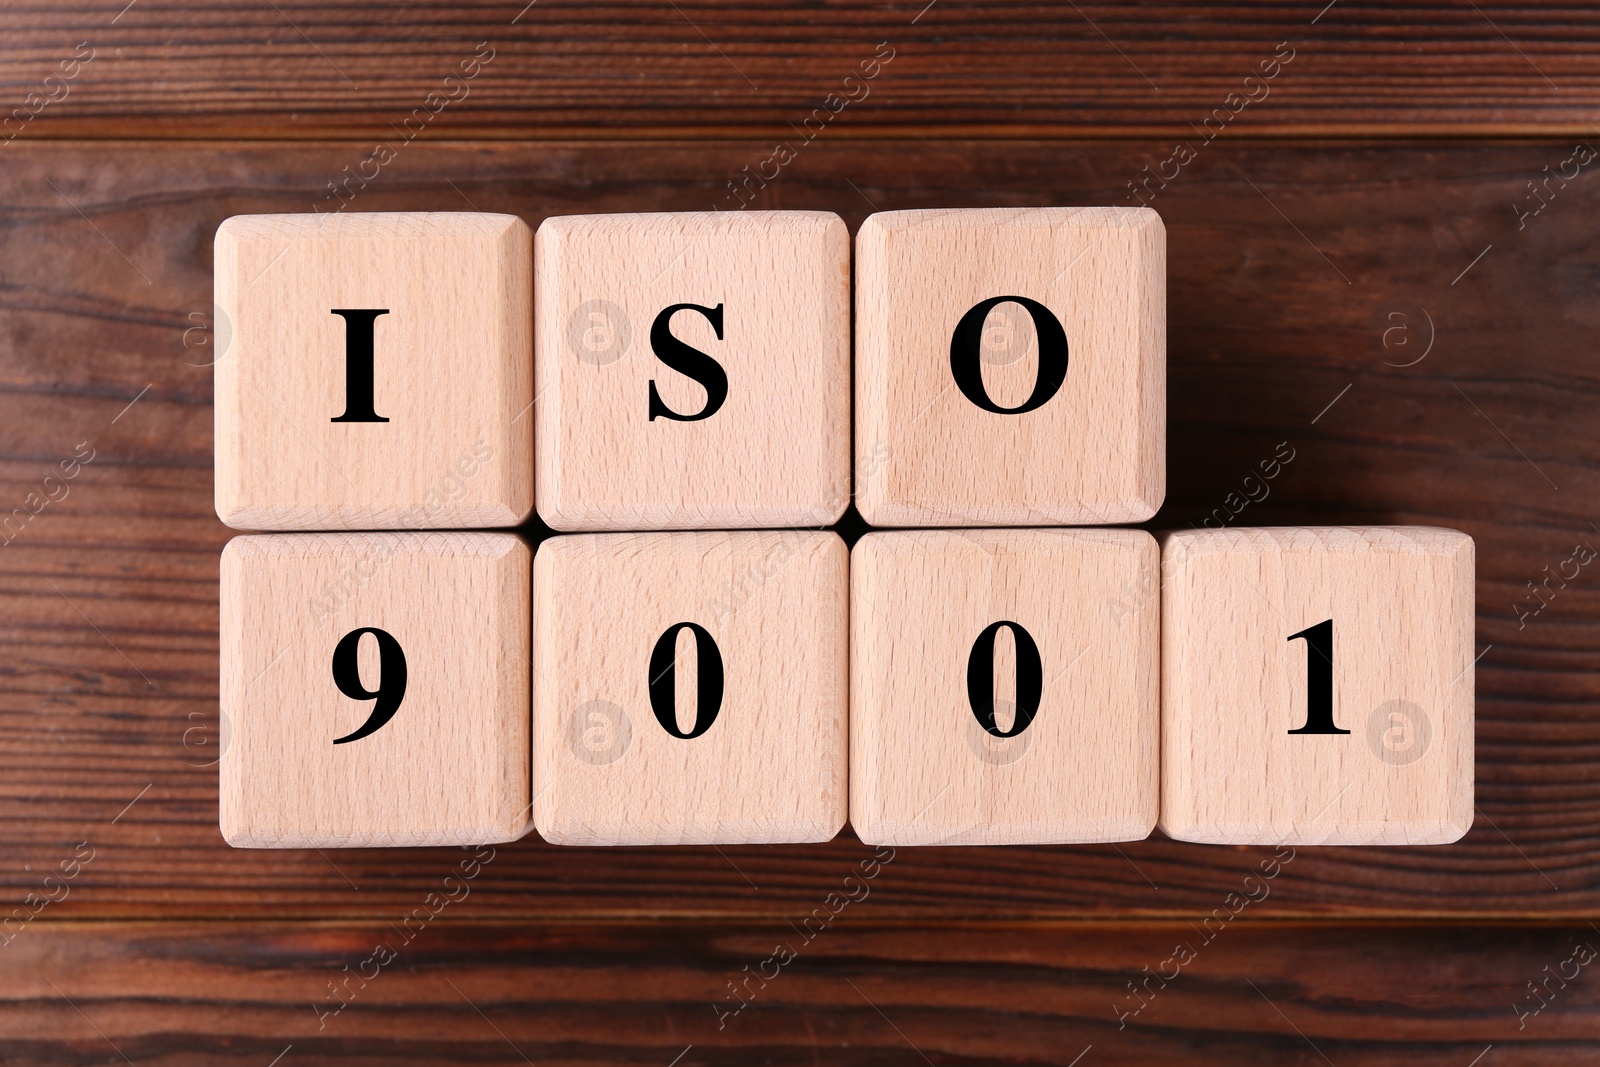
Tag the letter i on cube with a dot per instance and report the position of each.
(373, 371)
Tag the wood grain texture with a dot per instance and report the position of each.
(1084, 764)
(1235, 688)
(1287, 262)
(1065, 424)
(449, 766)
(645, 69)
(450, 377)
(1259, 992)
(759, 747)
(627, 437)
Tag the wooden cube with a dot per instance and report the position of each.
(690, 688)
(1003, 686)
(374, 689)
(693, 370)
(373, 371)
(1317, 686)
(1010, 366)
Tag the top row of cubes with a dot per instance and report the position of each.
(392, 371)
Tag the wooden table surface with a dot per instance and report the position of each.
(1359, 268)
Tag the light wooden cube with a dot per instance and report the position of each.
(1250, 694)
(1003, 686)
(332, 416)
(693, 370)
(374, 689)
(1010, 366)
(648, 731)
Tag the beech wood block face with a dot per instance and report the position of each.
(374, 371)
(1272, 640)
(374, 689)
(966, 730)
(690, 688)
(693, 370)
(1010, 366)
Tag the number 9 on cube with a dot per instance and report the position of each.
(374, 689)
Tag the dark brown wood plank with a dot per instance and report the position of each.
(664, 993)
(1287, 262)
(649, 69)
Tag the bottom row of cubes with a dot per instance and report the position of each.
(1261, 686)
